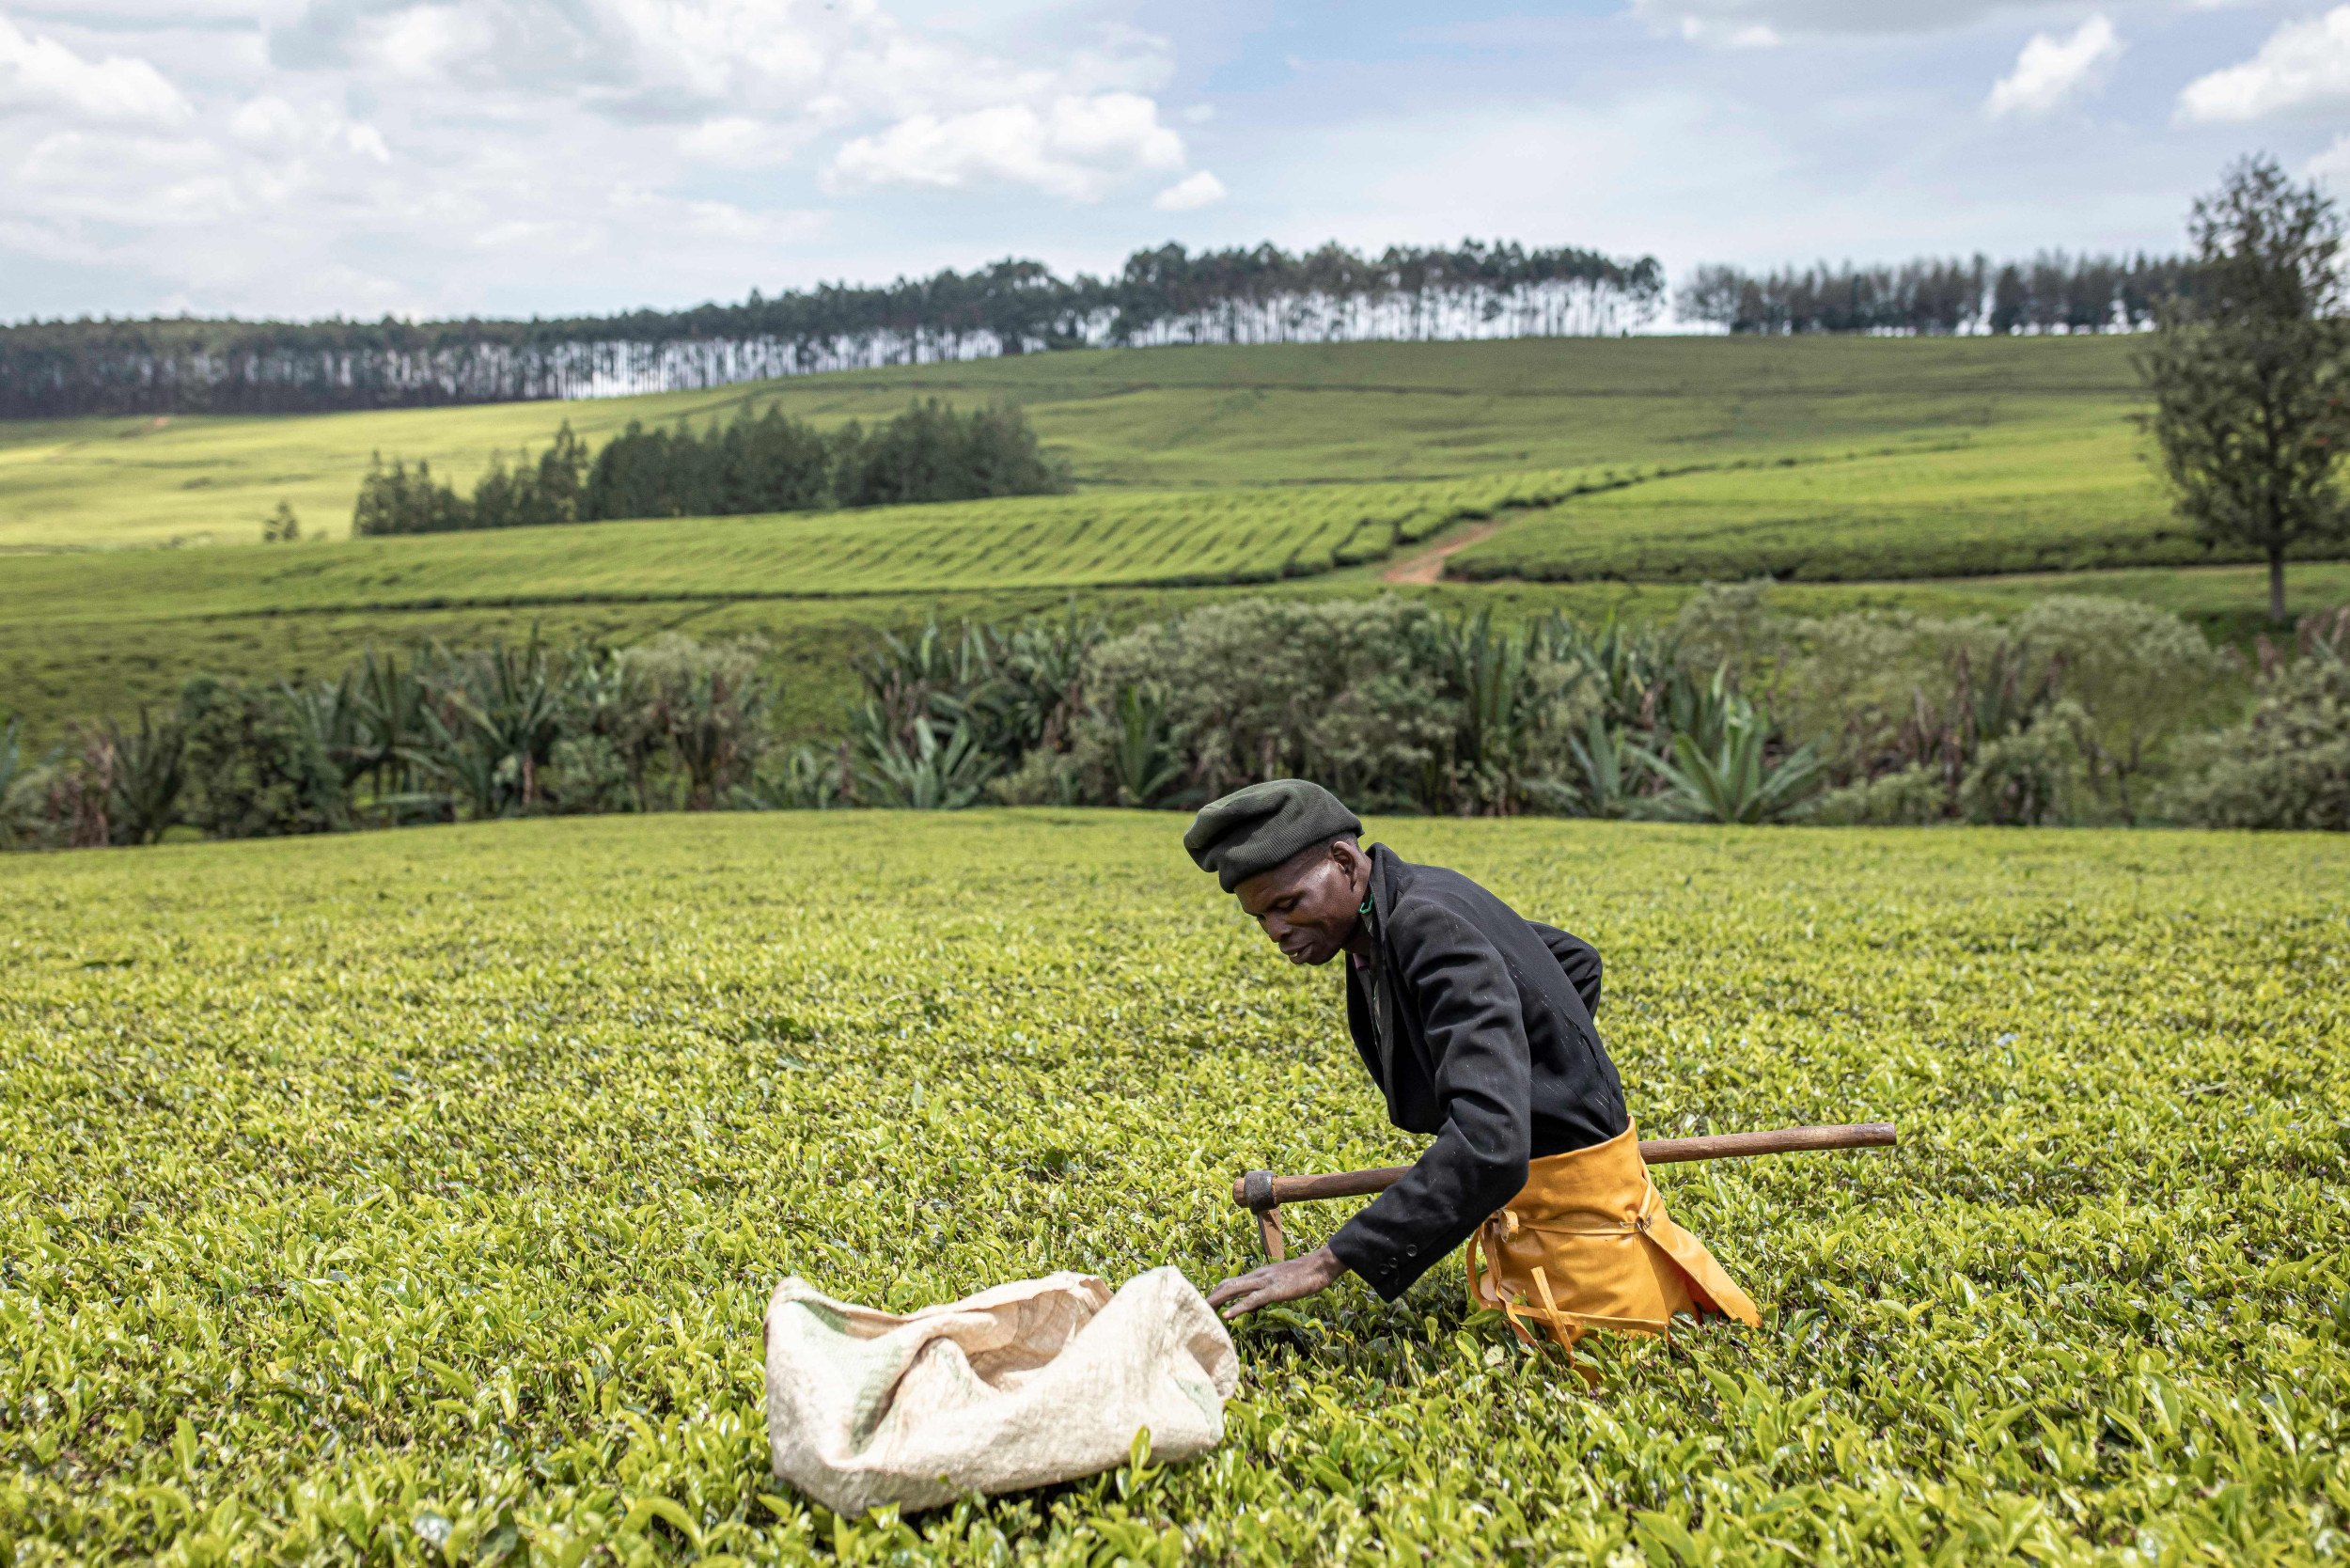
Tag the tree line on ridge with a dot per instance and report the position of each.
(1244, 294)
(1933, 295)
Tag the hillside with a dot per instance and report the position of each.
(1169, 417)
(1950, 477)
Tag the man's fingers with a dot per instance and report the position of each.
(1238, 1285)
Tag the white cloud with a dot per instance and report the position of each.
(2302, 63)
(42, 73)
(2049, 69)
(1076, 148)
(1195, 190)
(1760, 24)
(425, 43)
(272, 126)
(744, 141)
(2333, 165)
(430, 156)
(1728, 33)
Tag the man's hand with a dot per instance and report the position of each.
(1317, 1270)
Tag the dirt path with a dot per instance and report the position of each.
(1429, 565)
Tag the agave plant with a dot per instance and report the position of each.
(1735, 781)
(1634, 668)
(929, 775)
(389, 706)
(332, 719)
(713, 729)
(809, 780)
(1034, 692)
(493, 727)
(1610, 768)
(1144, 762)
(128, 784)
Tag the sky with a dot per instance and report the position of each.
(308, 158)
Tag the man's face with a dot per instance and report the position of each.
(1309, 903)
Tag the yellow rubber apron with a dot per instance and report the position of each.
(1587, 1244)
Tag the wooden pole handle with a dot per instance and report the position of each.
(1260, 1190)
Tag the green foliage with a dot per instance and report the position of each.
(932, 453)
(391, 501)
(2287, 765)
(24, 782)
(394, 501)
(1914, 796)
(916, 770)
(804, 779)
(257, 762)
(1736, 778)
(772, 463)
(1344, 692)
(1008, 307)
(769, 464)
(2029, 776)
(414, 1197)
(2137, 679)
(1144, 764)
(538, 495)
(707, 706)
(126, 784)
(2075, 712)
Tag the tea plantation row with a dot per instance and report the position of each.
(414, 1197)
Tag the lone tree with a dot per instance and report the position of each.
(2251, 370)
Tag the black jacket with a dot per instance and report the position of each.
(1489, 1045)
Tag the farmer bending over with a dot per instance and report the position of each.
(1475, 1024)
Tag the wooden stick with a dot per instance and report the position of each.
(1263, 1191)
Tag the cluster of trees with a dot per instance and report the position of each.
(769, 463)
(2082, 711)
(1248, 294)
(2051, 291)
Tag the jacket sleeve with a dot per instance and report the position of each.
(1458, 982)
(1578, 958)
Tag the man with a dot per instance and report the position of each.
(1475, 1024)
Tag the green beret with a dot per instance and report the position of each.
(1255, 829)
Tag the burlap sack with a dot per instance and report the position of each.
(1034, 1382)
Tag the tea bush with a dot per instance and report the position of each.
(413, 1197)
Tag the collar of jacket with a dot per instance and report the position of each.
(1388, 877)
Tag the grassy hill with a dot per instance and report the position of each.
(1210, 417)
(1870, 472)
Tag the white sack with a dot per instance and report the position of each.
(1034, 1382)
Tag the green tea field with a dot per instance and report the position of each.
(412, 1196)
(1171, 538)
(1157, 419)
(2059, 498)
